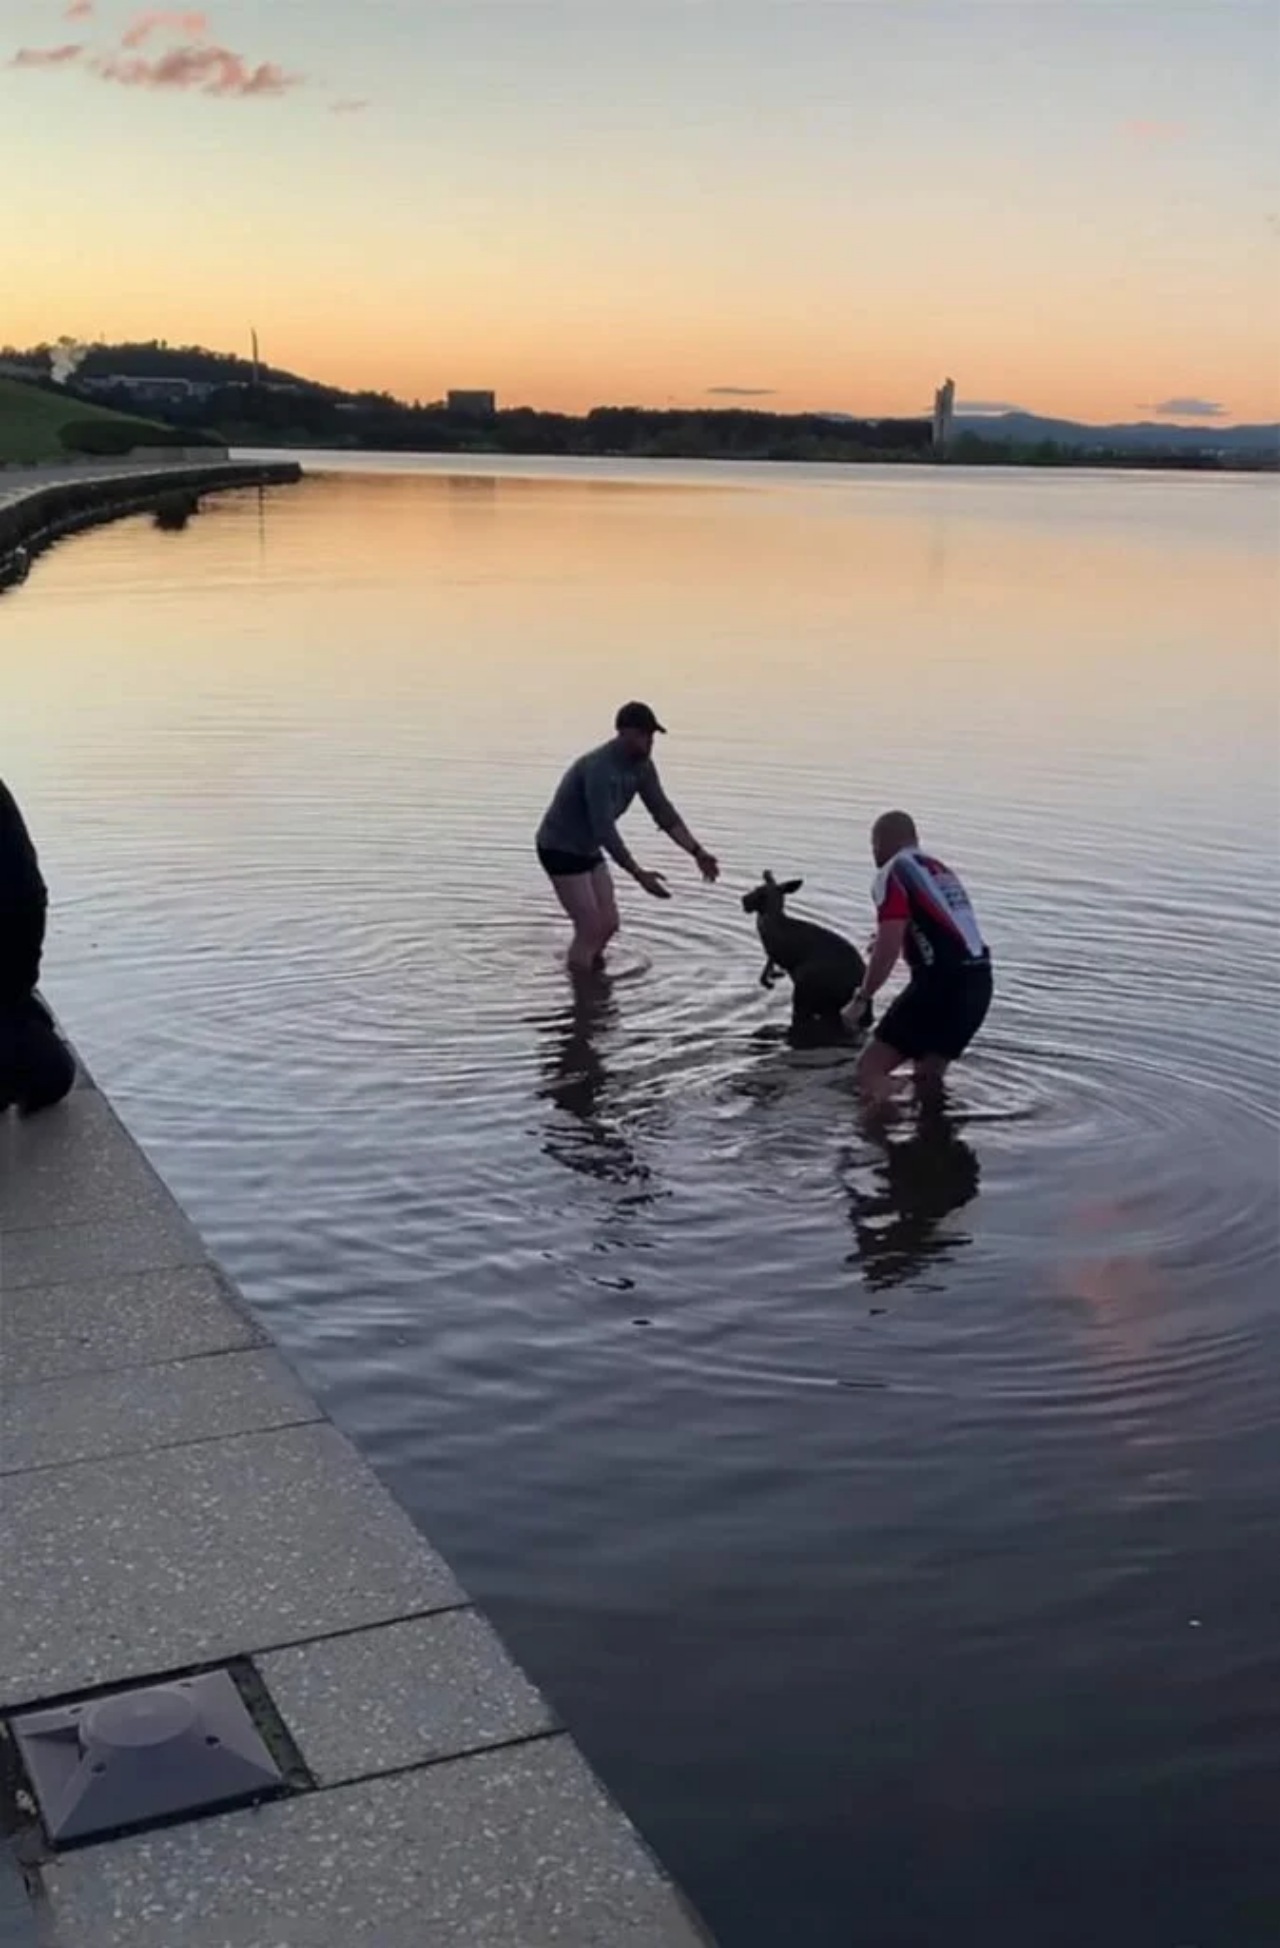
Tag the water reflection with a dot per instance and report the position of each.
(586, 1130)
(917, 1180)
(1043, 1496)
(472, 494)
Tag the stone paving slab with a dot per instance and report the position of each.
(159, 1239)
(517, 1848)
(73, 1165)
(95, 1325)
(124, 1568)
(96, 1415)
(380, 1700)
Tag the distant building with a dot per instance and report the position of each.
(472, 405)
(20, 368)
(145, 391)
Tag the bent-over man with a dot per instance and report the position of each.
(923, 912)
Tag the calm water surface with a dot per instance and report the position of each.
(895, 1522)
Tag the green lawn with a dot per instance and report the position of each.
(31, 422)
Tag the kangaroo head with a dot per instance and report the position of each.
(770, 897)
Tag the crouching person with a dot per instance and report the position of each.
(924, 912)
(36, 1067)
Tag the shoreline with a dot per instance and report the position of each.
(1119, 463)
(39, 505)
(178, 1509)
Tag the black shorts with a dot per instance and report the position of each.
(565, 865)
(938, 1014)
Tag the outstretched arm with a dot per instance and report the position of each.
(707, 863)
(893, 912)
(668, 820)
(884, 958)
(605, 830)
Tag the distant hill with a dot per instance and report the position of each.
(285, 409)
(157, 360)
(1030, 429)
(35, 425)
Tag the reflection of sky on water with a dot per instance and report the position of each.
(285, 770)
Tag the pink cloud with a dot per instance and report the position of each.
(196, 64)
(209, 70)
(79, 10)
(190, 27)
(47, 57)
(348, 105)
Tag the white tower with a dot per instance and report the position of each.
(944, 400)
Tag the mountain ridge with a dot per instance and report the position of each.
(1130, 435)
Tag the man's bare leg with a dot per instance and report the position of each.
(874, 1073)
(608, 918)
(930, 1074)
(577, 895)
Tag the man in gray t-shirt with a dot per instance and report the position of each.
(581, 825)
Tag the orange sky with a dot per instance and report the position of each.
(1072, 210)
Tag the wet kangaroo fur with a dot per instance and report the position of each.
(826, 970)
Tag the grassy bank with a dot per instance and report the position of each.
(33, 424)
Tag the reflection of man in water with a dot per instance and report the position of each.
(575, 1080)
(924, 1177)
(36, 1068)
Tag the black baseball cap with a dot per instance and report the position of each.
(638, 716)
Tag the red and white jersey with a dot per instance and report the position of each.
(942, 927)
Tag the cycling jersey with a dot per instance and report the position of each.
(942, 928)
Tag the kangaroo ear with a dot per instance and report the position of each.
(791, 886)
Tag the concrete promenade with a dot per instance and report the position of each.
(172, 1500)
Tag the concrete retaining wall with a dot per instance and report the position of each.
(38, 511)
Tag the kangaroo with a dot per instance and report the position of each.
(826, 970)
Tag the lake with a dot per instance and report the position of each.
(892, 1519)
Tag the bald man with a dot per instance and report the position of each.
(924, 912)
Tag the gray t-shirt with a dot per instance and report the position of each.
(591, 797)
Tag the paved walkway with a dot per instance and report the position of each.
(172, 1498)
(17, 481)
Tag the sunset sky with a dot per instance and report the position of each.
(1073, 208)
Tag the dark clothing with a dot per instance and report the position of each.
(23, 900)
(591, 797)
(19, 868)
(938, 1013)
(567, 865)
(36, 1068)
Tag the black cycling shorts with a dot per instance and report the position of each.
(565, 865)
(939, 1013)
